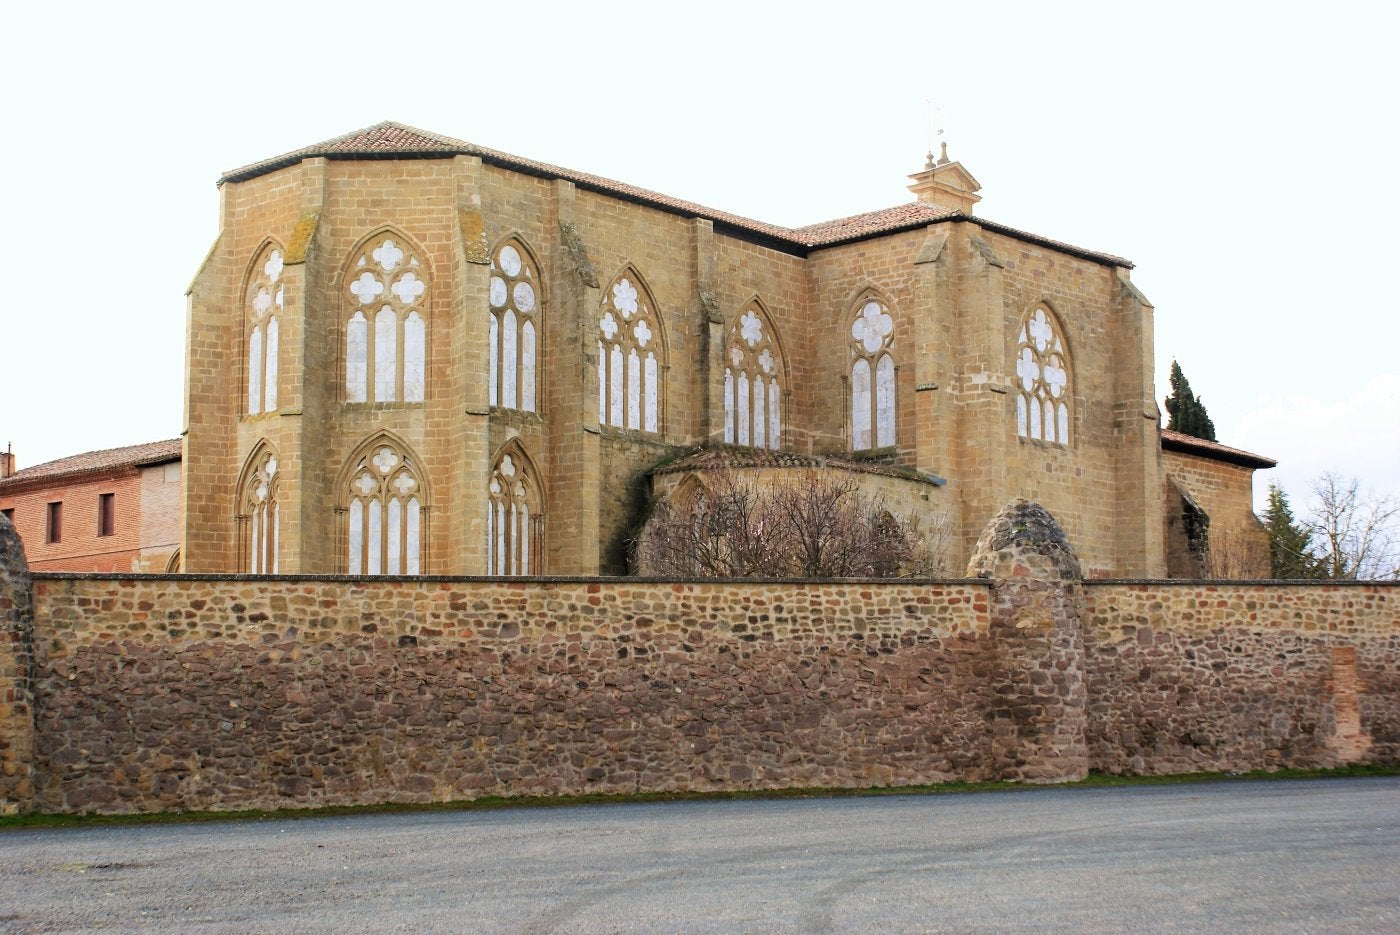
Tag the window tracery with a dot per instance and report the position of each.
(386, 334)
(872, 376)
(265, 299)
(514, 516)
(1043, 380)
(258, 515)
(630, 357)
(753, 386)
(386, 506)
(512, 325)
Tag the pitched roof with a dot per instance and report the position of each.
(98, 462)
(390, 140)
(1189, 444)
(737, 457)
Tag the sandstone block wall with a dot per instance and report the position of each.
(958, 293)
(1239, 545)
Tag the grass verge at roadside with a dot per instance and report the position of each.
(1094, 780)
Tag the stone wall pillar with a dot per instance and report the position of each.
(16, 675)
(1038, 697)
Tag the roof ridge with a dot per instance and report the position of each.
(101, 459)
(376, 143)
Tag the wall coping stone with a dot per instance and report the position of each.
(619, 580)
(1238, 582)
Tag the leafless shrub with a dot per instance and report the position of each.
(816, 525)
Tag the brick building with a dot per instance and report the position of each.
(412, 354)
(112, 510)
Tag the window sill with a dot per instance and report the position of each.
(1042, 443)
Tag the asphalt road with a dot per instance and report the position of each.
(1312, 856)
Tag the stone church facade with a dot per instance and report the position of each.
(408, 354)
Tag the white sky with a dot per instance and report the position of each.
(1241, 154)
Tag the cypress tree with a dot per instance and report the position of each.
(1185, 412)
(1290, 547)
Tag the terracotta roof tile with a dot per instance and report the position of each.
(1177, 441)
(911, 214)
(390, 139)
(95, 462)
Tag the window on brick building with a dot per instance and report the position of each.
(53, 522)
(515, 518)
(386, 512)
(513, 326)
(386, 333)
(631, 356)
(753, 381)
(258, 519)
(106, 514)
(872, 375)
(1043, 379)
(265, 299)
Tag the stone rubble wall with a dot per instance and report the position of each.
(1192, 676)
(185, 693)
(16, 668)
(161, 692)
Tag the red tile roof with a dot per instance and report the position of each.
(395, 140)
(1189, 444)
(97, 462)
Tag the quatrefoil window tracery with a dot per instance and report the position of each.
(388, 296)
(753, 383)
(514, 518)
(266, 299)
(513, 328)
(259, 513)
(630, 358)
(1043, 389)
(872, 376)
(385, 515)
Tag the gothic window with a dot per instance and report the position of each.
(258, 519)
(1043, 380)
(386, 506)
(753, 385)
(631, 356)
(872, 376)
(386, 335)
(264, 303)
(513, 325)
(514, 516)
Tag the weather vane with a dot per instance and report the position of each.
(935, 127)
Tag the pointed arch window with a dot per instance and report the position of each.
(631, 357)
(872, 376)
(753, 385)
(386, 509)
(258, 519)
(515, 519)
(1043, 380)
(386, 333)
(513, 326)
(265, 299)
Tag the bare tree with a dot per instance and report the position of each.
(818, 525)
(1355, 535)
(1237, 552)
